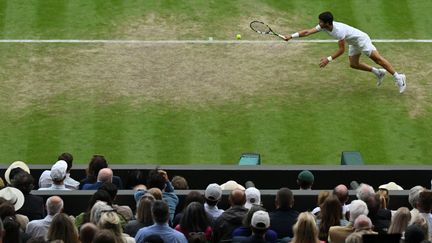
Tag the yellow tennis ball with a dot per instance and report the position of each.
(238, 36)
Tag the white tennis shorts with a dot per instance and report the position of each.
(363, 45)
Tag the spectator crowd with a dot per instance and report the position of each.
(158, 216)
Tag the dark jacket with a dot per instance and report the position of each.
(282, 221)
(229, 220)
(33, 207)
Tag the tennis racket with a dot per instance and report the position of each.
(264, 29)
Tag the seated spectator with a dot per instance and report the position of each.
(355, 238)
(193, 196)
(364, 191)
(87, 232)
(62, 228)
(424, 206)
(231, 185)
(338, 234)
(363, 225)
(232, 218)
(260, 223)
(12, 231)
(380, 217)
(97, 163)
(179, 183)
(341, 191)
(213, 195)
(13, 169)
(284, 216)
(159, 179)
(104, 175)
(305, 180)
(156, 192)
(124, 210)
(45, 178)
(15, 199)
(105, 236)
(58, 176)
(161, 214)
(330, 215)
(305, 229)
(414, 234)
(99, 195)
(195, 220)
(322, 195)
(143, 216)
(253, 197)
(39, 228)
(33, 206)
(400, 221)
(413, 197)
(246, 229)
(96, 212)
(111, 221)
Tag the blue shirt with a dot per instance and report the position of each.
(164, 231)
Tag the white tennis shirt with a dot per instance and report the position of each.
(345, 32)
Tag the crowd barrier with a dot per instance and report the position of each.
(77, 201)
(271, 177)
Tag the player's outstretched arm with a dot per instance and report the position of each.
(301, 33)
(326, 60)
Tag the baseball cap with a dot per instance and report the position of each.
(253, 197)
(260, 220)
(231, 185)
(213, 192)
(16, 164)
(306, 176)
(58, 170)
(391, 186)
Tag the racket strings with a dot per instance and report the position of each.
(260, 27)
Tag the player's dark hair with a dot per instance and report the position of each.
(326, 17)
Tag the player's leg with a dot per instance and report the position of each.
(400, 79)
(356, 64)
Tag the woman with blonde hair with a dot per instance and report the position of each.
(400, 221)
(111, 221)
(305, 230)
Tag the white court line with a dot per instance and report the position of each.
(153, 42)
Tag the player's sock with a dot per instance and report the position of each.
(375, 71)
(395, 75)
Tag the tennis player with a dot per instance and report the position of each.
(358, 43)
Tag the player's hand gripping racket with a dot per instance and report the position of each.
(264, 29)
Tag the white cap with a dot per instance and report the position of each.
(391, 186)
(58, 170)
(213, 192)
(260, 220)
(253, 197)
(231, 185)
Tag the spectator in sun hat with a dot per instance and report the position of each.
(213, 195)
(253, 197)
(305, 180)
(15, 168)
(14, 198)
(58, 175)
(45, 178)
(34, 206)
(231, 185)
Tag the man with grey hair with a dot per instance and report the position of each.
(364, 191)
(338, 234)
(413, 199)
(39, 228)
(104, 175)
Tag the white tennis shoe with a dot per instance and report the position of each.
(380, 76)
(401, 82)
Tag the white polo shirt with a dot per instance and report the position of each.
(345, 32)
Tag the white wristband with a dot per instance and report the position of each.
(295, 35)
(330, 58)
